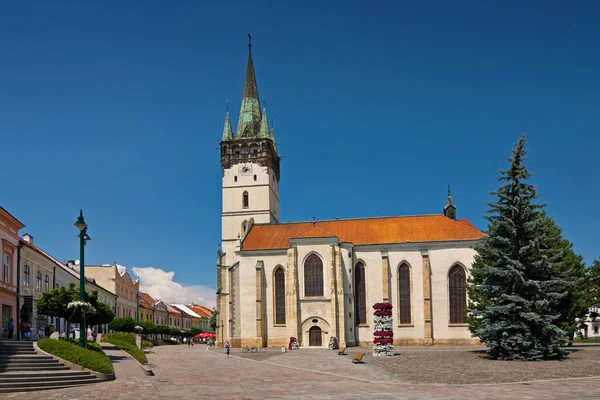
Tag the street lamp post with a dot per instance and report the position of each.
(137, 310)
(83, 237)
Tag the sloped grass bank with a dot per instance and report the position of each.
(90, 359)
(126, 342)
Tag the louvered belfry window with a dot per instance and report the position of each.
(279, 296)
(361, 294)
(313, 276)
(458, 294)
(404, 292)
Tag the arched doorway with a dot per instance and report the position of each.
(314, 336)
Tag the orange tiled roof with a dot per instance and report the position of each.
(200, 310)
(146, 300)
(416, 228)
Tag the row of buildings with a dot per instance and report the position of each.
(28, 272)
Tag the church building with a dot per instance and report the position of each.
(317, 279)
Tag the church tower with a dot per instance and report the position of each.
(250, 169)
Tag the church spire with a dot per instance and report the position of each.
(227, 134)
(250, 117)
(450, 208)
(264, 126)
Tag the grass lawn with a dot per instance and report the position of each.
(126, 342)
(91, 359)
(587, 340)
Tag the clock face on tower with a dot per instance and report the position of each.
(245, 169)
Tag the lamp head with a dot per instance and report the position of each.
(80, 223)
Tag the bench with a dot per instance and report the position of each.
(357, 359)
(343, 352)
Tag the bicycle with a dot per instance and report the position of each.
(247, 349)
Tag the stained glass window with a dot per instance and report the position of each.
(313, 276)
(404, 294)
(458, 294)
(279, 296)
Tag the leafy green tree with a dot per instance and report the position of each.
(514, 275)
(148, 327)
(193, 332)
(592, 278)
(214, 320)
(54, 304)
(122, 324)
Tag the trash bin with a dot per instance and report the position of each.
(283, 349)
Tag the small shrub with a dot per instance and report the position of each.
(146, 343)
(121, 337)
(91, 359)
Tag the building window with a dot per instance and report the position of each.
(457, 294)
(313, 276)
(404, 294)
(6, 268)
(279, 296)
(596, 330)
(254, 178)
(46, 283)
(38, 282)
(245, 200)
(26, 276)
(235, 178)
(361, 294)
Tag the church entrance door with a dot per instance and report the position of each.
(315, 336)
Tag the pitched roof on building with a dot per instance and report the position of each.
(146, 301)
(172, 309)
(382, 230)
(11, 217)
(201, 310)
(186, 310)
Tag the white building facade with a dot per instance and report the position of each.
(314, 280)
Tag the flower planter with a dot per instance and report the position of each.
(383, 334)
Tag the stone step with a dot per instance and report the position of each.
(35, 367)
(41, 374)
(31, 364)
(12, 352)
(6, 343)
(33, 380)
(9, 357)
(39, 385)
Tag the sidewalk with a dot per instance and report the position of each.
(125, 366)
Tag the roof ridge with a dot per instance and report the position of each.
(315, 228)
(355, 218)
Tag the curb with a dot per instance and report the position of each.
(101, 376)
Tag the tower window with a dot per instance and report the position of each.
(254, 178)
(245, 200)
(235, 178)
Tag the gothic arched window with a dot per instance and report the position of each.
(279, 296)
(404, 294)
(360, 304)
(313, 276)
(245, 200)
(26, 276)
(457, 288)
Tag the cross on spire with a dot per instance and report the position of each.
(314, 218)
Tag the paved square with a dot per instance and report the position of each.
(195, 373)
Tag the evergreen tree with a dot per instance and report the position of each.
(571, 267)
(592, 282)
(514, 275)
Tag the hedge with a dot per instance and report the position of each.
(123, 341)
(91, 359)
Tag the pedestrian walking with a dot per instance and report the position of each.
(189, 342)
(227, 348)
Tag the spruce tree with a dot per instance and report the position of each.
(514, 277)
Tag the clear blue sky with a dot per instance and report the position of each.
(118, 109)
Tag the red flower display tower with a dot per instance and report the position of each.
(384, 333)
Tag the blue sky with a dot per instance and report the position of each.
(118, 108)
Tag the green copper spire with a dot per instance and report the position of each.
(264, 126)
(227, 134)
(249, 120)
